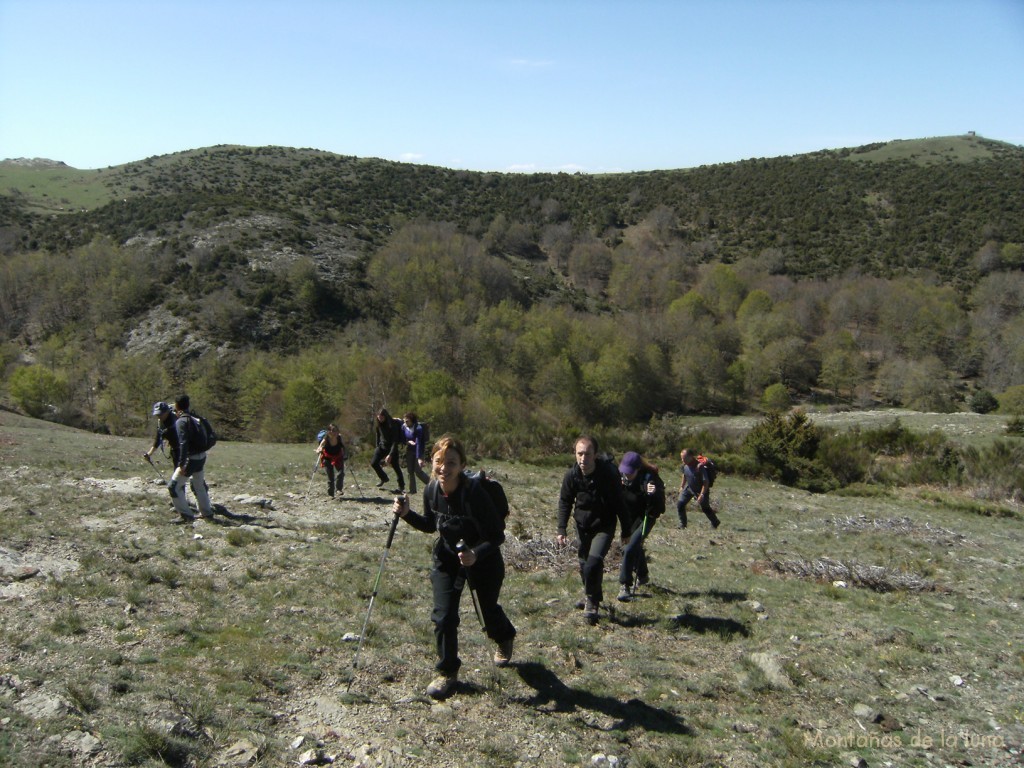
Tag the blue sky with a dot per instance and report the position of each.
(519, 85)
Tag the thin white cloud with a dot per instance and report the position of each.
(410, 157)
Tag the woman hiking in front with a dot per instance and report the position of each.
(467, 553)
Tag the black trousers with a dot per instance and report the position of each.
(705, 506)
(448, 578)
(378, 459)
(593, 549)
(634, 559)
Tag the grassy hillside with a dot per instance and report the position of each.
(47, 187)
(807, 630)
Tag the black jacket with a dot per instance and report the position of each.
(167, 431)
(640, 503)
(468, 515)
(390, 435)
(595, 500)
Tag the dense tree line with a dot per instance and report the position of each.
(452, 330)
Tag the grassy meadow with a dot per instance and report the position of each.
(807, 630)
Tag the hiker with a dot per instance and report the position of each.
(191, 463)
(695, 484)
(415, 437)
(592, 492)
(643, 493)
(164, 431)
(467, 553)
(332, 457)
(388, 433)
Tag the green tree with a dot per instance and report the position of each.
(776, 398)
(304, 410)
(37, 390)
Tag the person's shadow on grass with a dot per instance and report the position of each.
(727, 629)
(633, 713)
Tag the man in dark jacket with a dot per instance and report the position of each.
(592, 493)
(164, 431)
(191, 463)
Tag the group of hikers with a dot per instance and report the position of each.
(471, 529)
(457, 505)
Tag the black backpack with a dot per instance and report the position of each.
(425, 432)
(202, 437)
(493, 488)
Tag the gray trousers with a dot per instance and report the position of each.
(197, 479)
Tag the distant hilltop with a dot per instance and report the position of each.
(34, 162)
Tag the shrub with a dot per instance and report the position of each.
(785, 448)
(983, 401)
(996, 471)
(1012, 400)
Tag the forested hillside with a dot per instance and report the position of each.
(285, 287)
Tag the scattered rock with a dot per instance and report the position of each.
(863, 712)
(254, 501)
(241, 753)
(773, 672)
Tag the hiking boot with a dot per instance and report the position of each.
(581, 604)
(590, 612)
(503, 655)
(625, 594)
(715, 522)
(382, 483)
(643, 581)
(442, 685)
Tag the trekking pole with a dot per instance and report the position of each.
(461, 547)
(355, 477)
(373, 596)
(316, 466)
(150, 460)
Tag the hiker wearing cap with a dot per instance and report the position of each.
(592, 493)
(190, 464)
(695, 485)
(332, 458)
(164, 431)
(643, 493)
